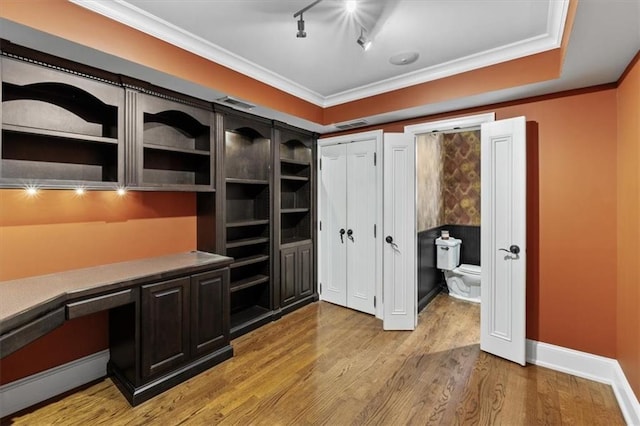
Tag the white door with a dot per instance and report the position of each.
(503, 236)
(361, 219)
(333, 217)
(348, 216)
(400, 291)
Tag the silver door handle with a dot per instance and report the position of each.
(514, 249)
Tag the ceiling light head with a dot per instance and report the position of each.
(301, 32)
(351, 5)
(364, 41)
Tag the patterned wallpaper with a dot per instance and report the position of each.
(448, 179)
(462, 178)
(430, 158)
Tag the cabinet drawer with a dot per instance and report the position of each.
(100, 303)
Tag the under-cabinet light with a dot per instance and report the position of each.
(31, 191)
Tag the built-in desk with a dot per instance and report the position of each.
(168, 315)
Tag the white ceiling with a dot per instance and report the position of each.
(328, 67)
(258, 38)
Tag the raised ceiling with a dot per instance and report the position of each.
(328, 67)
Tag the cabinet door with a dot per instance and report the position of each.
(288, 275)
(165, 325)
(305, 268)
(209, 311)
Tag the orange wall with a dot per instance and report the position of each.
(571, 277)
(628, 326)
(57, 230)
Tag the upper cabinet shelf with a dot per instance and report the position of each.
(59, 129)
(173, 144)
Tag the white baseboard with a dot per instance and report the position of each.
(588, 366)
(31, 390)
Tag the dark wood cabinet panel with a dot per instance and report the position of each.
(289, 275)
(165, 325)
(209, 311)
(296, 273)
(305, 266)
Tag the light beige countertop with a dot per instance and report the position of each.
(24, 299)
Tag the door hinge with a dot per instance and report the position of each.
(374, 231)
(321, 225)
(374, 301)
(375, 158)
(320, 288)
(321, 164)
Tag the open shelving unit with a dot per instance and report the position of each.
(174, 145)
(59, 129)
(248, 218)
(295, 190)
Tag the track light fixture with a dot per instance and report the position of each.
(301, 32)
(363, 40)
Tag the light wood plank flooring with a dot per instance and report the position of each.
(329, 365)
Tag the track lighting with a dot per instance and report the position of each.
(363, 40)
(301, 33)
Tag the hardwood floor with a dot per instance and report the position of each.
(329, 365)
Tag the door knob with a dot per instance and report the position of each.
(350, 235)
(389, 240)
(513, 249)
(342, 231)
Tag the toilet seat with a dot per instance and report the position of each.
(469, 269)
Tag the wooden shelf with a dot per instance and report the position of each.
(249, 260)
(248, 282)
(298, 210)
(294, 162)
(59, 134)
(175, 149)
(247, 242)
(244, 223)
(247, 181)
(290, 242)
(247, 316)
(295, 178)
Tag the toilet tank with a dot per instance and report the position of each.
(448, 253)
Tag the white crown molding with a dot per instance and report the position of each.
(127, 14)
(588, 366)
(134, 17)
(465, 122)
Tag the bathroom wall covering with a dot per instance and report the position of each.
(430, 185)
(462, 178)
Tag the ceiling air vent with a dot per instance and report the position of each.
(351, 124)
(236, 103)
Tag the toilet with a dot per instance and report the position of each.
(463, 281)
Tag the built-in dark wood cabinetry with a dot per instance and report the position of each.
(68, 125)
(59, 129)
(248, 218)
(296, 219)
(184, 329)
(170, 144)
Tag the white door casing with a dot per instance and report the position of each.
(399, 236)
(503, 239)
(361, 219)
(333, 208)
